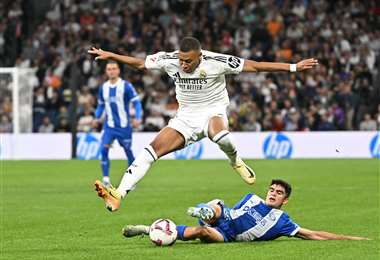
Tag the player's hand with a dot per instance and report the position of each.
(306, 64)
(135, 123)
(101, 55)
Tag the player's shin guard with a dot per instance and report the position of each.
(137, 170)
(226, 144)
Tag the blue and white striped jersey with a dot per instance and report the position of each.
(251, 219)
(115, 100)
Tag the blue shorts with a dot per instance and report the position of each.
(224, 225)
(122, 135)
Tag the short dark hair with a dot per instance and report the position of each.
(189, 44)
(284, 184)
(113, 62)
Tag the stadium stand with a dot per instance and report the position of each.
(343, 93)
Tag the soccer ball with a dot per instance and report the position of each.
(163, 232)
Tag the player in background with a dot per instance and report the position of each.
(251, 219)
(200, 86)
(115, 96)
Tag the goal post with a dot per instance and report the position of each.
(18, 83)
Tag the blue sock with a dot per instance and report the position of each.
(105, 163)
(130, 156)
(181, 231)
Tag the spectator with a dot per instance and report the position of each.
(46, 126)
(368, 124)
(5, 124)
(344, 85)
(251, 124)
(85, 121)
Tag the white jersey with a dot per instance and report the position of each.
(206, 85)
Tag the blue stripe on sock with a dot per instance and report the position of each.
(181, 231)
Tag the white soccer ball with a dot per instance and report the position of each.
(163, 232)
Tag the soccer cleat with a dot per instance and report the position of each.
(110, 195)
(244, 171)
(202, 211)
(131, 231)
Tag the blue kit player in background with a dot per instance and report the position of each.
(251, 219)
(115, 96)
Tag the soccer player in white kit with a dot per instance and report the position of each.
(199, 77)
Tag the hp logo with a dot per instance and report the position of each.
(88, 147)
(276, 146)
(193, 151)
(374, 146)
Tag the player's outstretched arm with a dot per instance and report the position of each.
(131, 61)
(323, 235)
(255, 66)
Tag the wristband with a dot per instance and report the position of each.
(293, 67)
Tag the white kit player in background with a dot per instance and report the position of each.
(199, 78)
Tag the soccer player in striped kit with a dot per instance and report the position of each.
(251, 219)
(115, 96)
(199, 77)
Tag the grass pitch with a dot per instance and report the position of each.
(49, 209)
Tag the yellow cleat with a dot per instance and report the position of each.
(244, 171)
(110, 195)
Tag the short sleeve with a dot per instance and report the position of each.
(233, 65)
(156, 61)
(288, 227)
(228, 64)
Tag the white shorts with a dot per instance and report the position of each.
(194, 125)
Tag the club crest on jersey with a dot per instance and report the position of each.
(202, 74)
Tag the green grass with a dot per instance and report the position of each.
(50, 211)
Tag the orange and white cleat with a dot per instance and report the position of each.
(111, 197)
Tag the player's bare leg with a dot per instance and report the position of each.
(205, 234)
(167, 140)
(219, 134)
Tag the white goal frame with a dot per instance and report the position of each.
(16, 73)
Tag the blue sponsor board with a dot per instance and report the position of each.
(88, 147)
(193, 151)
(277, 146)
(374, 146)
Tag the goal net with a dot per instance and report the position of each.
(16, 98)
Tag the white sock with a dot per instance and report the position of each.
(137, 170)
(106, 179)
(226, 144)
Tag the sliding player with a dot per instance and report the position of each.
(251, 219)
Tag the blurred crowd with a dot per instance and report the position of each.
(341, 94)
